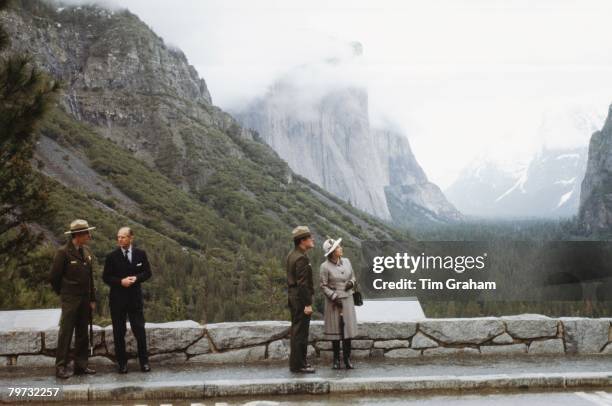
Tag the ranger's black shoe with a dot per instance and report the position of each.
(305, 370)
(63, 373)
(84, 371)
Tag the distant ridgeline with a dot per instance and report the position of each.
(136, 140)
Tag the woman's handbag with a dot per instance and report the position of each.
(357, 299)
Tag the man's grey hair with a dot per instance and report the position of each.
(128, 229)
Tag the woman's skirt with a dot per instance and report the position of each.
(332, 316)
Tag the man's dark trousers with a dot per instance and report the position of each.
(133, 309)
(300, 324)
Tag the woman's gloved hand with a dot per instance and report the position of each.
(349, 285)
(338, 302)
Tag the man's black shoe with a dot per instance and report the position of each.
(305, 370)
(122, 368)
(63, 373)
(145, 368)
(84, 371)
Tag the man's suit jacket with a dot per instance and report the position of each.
(118, 267)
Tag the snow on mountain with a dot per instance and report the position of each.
(548, 186)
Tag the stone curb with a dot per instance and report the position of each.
(300, 386)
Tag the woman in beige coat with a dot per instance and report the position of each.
(337, 281)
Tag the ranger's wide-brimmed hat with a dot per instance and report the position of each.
(78, 226)
(330, 245)
(300, 232)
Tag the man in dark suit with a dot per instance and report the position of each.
(125, 269)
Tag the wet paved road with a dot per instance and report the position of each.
(466, 366)
(380, 368)
(580, 398)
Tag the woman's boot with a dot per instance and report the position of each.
(346, 352)
(336, 348)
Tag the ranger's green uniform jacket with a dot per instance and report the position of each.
(71, 274)
(299, 277)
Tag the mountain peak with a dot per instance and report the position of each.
(98, 47)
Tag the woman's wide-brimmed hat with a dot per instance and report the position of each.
(330, 245)
(78, 226)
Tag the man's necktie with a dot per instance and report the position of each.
(81, 253)
(125, 253)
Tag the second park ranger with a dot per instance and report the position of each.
(300, 292)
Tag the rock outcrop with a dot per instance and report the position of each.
(328, 142)
(119, 76)
(596, 192)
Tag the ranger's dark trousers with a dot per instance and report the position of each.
(123, 307)
(300, 324)
(74, 319)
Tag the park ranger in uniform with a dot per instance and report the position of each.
(300, 290)
(72, 279)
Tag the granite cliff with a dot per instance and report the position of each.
(596, 191)
(321, 127)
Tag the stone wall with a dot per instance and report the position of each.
(188, 341)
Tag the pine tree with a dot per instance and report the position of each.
(25, 95)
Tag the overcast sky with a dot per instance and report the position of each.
(459, 76)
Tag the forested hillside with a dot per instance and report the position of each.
(135, 140)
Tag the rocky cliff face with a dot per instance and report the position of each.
(327, 138)
(596, 192)
(330, 144)
(118, 75)
(411, 198)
